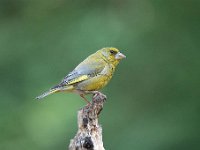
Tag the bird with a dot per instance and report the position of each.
(91, 75)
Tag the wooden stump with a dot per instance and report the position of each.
(89, 135)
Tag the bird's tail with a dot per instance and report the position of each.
(51, 91)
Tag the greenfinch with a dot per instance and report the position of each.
(90, 75)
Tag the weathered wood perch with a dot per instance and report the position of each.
(89, 135)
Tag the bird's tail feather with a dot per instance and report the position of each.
(56, 89)
(51, 91)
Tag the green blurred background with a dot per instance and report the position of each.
(153, 98)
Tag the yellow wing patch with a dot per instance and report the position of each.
(78, 79)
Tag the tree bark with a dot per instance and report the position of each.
(89, 135)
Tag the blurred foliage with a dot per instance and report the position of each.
(153, 98)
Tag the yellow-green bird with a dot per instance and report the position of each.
(90, 75)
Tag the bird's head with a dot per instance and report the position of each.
(112, 55)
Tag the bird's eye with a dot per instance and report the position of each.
(112, 52)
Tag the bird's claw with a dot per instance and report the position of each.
(96, 93)
(99, 96)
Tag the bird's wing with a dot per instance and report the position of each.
(84, 71)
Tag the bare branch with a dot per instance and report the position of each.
(89, 135)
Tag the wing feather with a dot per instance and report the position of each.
(84, 71)
(78, 79)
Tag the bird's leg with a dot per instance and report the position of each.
(96, 94)
(85, 99)
(91, 92)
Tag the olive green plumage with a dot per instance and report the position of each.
(90, 75)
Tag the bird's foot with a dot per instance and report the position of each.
(96, 93)
(99, 96)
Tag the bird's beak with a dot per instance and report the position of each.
(119, 56)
